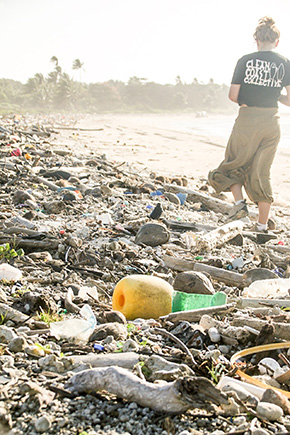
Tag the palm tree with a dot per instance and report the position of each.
(54, 60)
(78, 65)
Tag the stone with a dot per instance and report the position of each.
(6, 334)
(257, 274)
(241, 392)
(172, 198)
(54, 207)
(193, 282)
(269, 411)
(214, 335)
(273, 396)
(117, 330)
(42, 424)
(114, 317)
(18, 344)
(259, 431)
(20, 197)
(152, 234)
(130, 346)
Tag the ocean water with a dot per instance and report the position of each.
(220, 126)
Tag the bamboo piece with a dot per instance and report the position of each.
(173, 397)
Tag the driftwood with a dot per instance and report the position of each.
(172, 397)
(176, 340)
(28, 243)
(176, 225)
(127, 360)
(178, 263)
(279, 248)
(21, 230)
(258, 302)
(219, 236)
(234, 334)
(10, 313)
(226, 276)
(196, 315)
(47, 183)
(282, 330)
(215, 204)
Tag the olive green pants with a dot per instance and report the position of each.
(249, 154)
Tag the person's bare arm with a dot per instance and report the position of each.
(285, 99)
(234, 93)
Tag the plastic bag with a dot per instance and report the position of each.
(9, 273)
(76, 330)
(268, 288)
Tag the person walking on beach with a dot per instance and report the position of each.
(256, 87)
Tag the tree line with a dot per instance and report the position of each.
(59, 92)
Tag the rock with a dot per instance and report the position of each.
(42, 424)
(9, 273)
(70, 196)
(241, 392)
(259, 431)
(117, 330)
(172, 198)
(3, 296)
(152, 234)
(18, 344)
(269, 411)
(33, 302)
(130, 346)
(6, 334)
(160, 369)
(257, 274)
(20, 196)
(54, 207)
(193, 282)
(214, 335)
(34, 350)
(114, 317)
(273, 396)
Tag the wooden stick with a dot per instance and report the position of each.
(196, 315)
(177, 396)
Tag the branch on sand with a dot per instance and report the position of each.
(172, 397)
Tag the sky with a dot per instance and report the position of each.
(157, 40)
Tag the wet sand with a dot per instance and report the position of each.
(155, 142)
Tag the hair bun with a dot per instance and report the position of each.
(267, 21)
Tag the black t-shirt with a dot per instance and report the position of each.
(262, 75)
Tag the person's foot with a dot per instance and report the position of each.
(259, 236)
(238, 211)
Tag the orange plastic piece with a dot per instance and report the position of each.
(144, 296)
(258, 349)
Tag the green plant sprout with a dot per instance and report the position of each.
(215, 371)
(8, 253)
(48, 317)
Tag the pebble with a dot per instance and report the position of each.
(214, 334)
(42, 424)
(6, 334)
(17, 344)
(269, 411)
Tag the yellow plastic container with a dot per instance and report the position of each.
(148, 297)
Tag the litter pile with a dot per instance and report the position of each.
(128, 303)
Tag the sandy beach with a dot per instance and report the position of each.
(171, 145)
